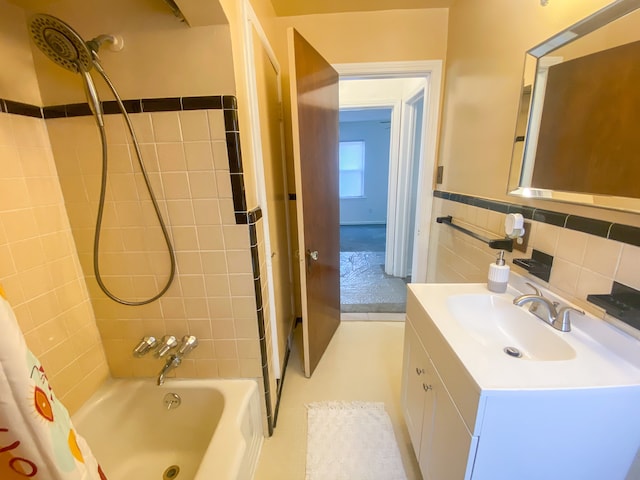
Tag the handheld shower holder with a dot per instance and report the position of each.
(115, 43)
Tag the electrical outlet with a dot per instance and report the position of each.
(439, 174)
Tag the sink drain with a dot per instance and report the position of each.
(171, 472)
(512, 352)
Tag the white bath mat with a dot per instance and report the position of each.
(351, 441)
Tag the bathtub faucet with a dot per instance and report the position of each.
(189, 342)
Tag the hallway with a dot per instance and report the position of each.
(364, 286)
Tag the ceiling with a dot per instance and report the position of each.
(286, 8)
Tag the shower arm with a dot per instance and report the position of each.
(115, 43)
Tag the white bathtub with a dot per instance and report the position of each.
(215, 433)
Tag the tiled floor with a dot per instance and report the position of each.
(363, 362)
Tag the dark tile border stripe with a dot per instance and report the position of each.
(625, 234)
(110, 107)
(161, 104)
(24, 109)
(588, 225)
(254, 216)
(202, 103)
(612, 231)
(552, 218)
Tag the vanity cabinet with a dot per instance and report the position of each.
(465, 426)
(441, 440)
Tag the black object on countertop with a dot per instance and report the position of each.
(623, 303)
(539, 264)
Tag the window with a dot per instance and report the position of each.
(351, 157)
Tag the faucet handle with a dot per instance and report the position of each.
(168, 342)
(189, 342)
(564, 319)
(146, 344)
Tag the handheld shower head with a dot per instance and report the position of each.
(65, 46)
(60, 43)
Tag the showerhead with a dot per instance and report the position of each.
(60, 43)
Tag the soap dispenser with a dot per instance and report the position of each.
(498, 275)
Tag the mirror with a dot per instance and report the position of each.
(578, 129)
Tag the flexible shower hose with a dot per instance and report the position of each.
(103, 191)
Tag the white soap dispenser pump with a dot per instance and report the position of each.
(498, 275)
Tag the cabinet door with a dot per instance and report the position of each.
(414, 369)
(446, 442)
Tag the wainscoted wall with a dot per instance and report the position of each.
(588, 254)
(39, 266)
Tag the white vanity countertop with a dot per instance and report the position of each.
(604, 356)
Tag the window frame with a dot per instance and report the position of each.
(361, 170)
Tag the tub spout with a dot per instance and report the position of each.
(172, 363)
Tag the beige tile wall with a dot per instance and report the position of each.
(39, 267)
(582, 263)
(212, 295)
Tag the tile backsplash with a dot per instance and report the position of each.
(190, 147)
(39, 266)
(583, 263)
(212, 296)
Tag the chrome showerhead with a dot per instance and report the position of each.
(60, 43)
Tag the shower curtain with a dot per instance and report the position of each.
(37, 439)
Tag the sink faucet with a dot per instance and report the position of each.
(558, 319)
(189, 342)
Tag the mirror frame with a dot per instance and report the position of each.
(517, 185)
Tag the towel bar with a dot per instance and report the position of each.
(498, 243)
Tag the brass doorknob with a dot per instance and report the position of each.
(313, 254)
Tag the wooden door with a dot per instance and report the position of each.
(314, 118)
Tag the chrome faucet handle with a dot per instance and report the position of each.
(146, 344)
(563, 321)
(189, 342)
(167, 343)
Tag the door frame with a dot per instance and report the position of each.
(395, 105)
(402, 203)
(431, 70)
(250, 21)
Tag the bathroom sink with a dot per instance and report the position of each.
(496, 322)
(467, 325)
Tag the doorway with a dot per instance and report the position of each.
(381, 147)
